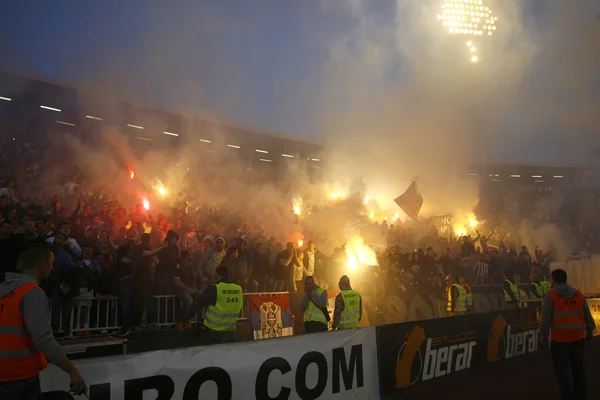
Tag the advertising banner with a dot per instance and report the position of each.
(329, 365)
(413, 353)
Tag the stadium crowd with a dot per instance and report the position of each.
(103, 249)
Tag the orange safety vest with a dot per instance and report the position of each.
(568, 324)
(19, 359)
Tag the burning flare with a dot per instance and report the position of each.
(297, 206)
(146, 204)
(358, 253)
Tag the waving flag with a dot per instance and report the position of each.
(271, 316)
(411, 201)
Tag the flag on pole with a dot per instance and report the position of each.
(271, 316)
(411, 201)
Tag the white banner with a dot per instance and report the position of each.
(331, 365)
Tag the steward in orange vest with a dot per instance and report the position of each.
(567, 318)
(26, 339)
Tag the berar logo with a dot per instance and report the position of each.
(507, 341)
(442, 356)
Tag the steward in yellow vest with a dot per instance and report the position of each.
(314, 306)
(457, 297)
(224, 300)
(467, 287)
(511, 291)
(348, 307)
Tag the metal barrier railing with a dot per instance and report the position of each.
(103, 316)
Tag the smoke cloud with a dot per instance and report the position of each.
(389, 93)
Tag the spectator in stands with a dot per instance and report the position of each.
(243, 265)
(87, 219)
(10, 246)
(74, 248)
(312, 259)
(105, 217)
(124, 274)
(167, 266)
(143, 279)
(34, 342)
(260, 266)
(299, 271)
(63, 288)
(448, 263)
(29, 231)
(283, 268)
(467, 248)
(185, 281)
(209, 262)
(314, 306)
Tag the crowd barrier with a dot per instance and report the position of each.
(102, 315)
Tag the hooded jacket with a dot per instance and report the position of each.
(35, 310)
(567, 291)
(210, 260)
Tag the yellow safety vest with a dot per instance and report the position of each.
(461, 302)
(226, 311)
(545, 287)
(469, 295)
(515, 291)
(538, 288)
(350, 317)
(314, 313)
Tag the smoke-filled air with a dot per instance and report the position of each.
(410, 90)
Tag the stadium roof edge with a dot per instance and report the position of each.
(533, 165)
(135, 101)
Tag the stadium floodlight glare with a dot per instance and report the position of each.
(65, 123)
(135, 126)
(469, 18)
(515, 176)
(205, 141)
(144, 138)
(50, 108)
(92, 117)
(233, 146)
(315, 159)
(261, 151)
(558, 176)
(5, 98)
(536, 176)
(265, 160)
(287, 155)
(171, 133)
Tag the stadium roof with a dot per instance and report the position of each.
(122, 97)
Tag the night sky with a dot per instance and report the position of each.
(253, 62)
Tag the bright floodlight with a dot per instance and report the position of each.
(469, 18)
